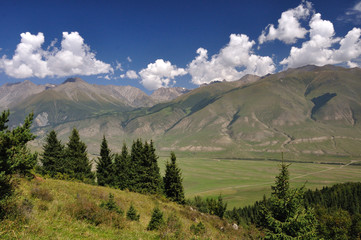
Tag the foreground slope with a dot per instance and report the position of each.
(58, 209)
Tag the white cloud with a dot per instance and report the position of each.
(74, 58)
(122, 76)
(352, 64)
(233, 61)
(289, 28)
(160, 74)
(119, 66)
(129, 59)
(131, 74)
(319, 51)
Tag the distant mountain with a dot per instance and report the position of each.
(72, 100)
(308, 112)
(13, 93)
(167, 94)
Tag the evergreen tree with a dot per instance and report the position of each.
(156, 220)
(53, 155)
(132, 214)
(78, 164)
(122, 169)
(172, 180)
(105, 170)
(135, 169)
(150, 180)
(15, 157)
(284, 216)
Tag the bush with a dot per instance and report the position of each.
(41, 193)
(198, 229)
(157, 220)
(111, 205)
(132, 214)
(172, 229)
(83, 209)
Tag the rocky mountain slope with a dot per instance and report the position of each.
(13, 93)
(73, 100)
(309, 111)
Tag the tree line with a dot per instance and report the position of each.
(330, 213)
(136, 169)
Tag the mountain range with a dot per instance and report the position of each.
(309, 112)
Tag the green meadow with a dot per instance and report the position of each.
(242, 182)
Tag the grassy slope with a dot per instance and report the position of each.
(56, 221)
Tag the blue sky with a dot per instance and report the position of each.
(152, 44)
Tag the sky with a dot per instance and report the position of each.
(153, 44)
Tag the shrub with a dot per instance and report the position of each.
(157, 220)
(172, 229)
(43, 207)
(198, 229)
(111, 205)
(83, 209)
(41, 193)
(132, 214)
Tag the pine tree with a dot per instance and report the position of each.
(156, 220)
(15, 157)
(150, 179)
(132, 214)
(172, 180)
(284, 216)
(78, 164)
(105, 170)
(135, 169)
(53, 155)
(122, 169)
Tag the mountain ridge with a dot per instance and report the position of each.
(309, 111)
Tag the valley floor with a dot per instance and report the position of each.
(242, 182)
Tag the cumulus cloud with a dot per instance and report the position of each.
(289, 28)
(73, 58)
(233, 61)
(131, 74)
(160, 74)
(129, 59)
(319, 49)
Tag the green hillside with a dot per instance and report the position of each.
(56, 209)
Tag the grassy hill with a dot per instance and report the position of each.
(56, 209)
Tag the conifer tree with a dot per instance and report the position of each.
(284, 216)
(172, 180)
(150, 179)
(122, 169)
(105, 170)
(79, 166)
(132, 214)
(156, 220)
(53, 155)
(15, 157)
(135, 166)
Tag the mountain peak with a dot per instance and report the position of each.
(74, 80)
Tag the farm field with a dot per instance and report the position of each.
(242, 182)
